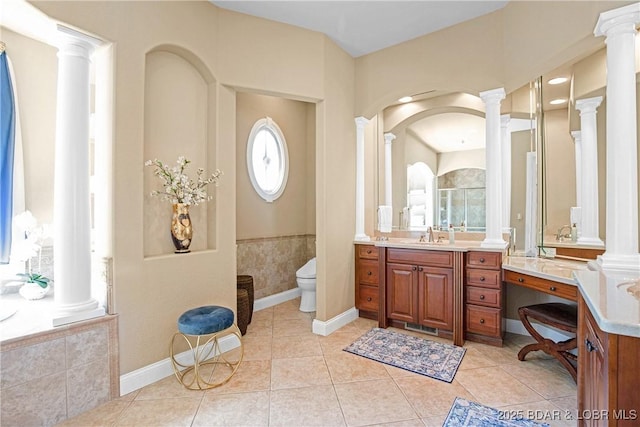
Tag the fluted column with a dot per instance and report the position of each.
(361, 122)
(493, 237)
(72, 250)
(619, 26)
(589, 229)
(506, 171)
(577, 140)
(388, 175)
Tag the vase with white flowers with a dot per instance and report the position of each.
(36, 285)
(182, 192)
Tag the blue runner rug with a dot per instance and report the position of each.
(465, 413)
(419, 355)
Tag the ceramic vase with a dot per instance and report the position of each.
(181, 230)
(33, 291)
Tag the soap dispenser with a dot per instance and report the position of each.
(452, 235)
(574, 233)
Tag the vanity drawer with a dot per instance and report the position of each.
(368, 272)
(367, 298)
(484, 259)
(483, 278)
(484, 320)
(483, 296)
(367, 251)
(550, 287)
(435, 258)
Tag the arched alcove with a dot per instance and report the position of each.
(178, 85)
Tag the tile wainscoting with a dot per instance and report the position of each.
(273, 261)
(50, 376)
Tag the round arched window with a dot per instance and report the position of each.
(267, 159)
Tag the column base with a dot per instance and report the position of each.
(590, 241)
(77, 312)
(619, 263)
(494, 244)
(362, 238)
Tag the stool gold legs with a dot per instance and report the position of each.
(205, 353)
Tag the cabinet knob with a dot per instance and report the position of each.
(482, 278)
(420, 269)
(589, 345)
(369, 273)
(481, 320)
(368, 251)
(520, 279)
(552, 288)
(481, 259)
(369, 299)
(481, 296)
(414, 268)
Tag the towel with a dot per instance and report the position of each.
(385, 218)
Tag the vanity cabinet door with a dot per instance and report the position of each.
(435, 297)
(367, 281)
(402, 283)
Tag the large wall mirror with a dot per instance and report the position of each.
(438, 154)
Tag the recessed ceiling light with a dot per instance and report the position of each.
(558, 101)
(558, 80)
(405, 99)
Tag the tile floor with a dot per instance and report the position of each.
(291, 377)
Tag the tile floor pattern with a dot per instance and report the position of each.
(291, 377)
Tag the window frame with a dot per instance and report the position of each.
(269, 125)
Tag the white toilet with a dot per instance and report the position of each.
(306, 279)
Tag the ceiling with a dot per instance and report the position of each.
(362, 27)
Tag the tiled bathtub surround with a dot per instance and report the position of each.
(54, 375)
(273, 261)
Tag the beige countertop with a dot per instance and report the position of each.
(444, 245)
(613, 299)
(550, 269)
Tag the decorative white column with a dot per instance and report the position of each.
(506, 171)
(493, 237)
(577, 140)
(619, 26)
(72, 247)
(589, 229)
(388, 175)
(361, 122)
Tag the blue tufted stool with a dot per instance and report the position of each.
(212, 323)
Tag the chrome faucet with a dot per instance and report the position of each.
(430, 231)
(560, 236)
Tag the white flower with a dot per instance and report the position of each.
(177, 186)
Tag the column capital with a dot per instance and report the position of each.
(74, 42)
(361, 122)
(389, 137)
(505, 119)
(493, 96)
(620, 20)
(588, 105)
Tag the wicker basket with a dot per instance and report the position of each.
(246, 282)
(243, 310)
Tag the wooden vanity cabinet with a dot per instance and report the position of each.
(484, 298)
(367, 283)
(419, 287)
(608, 374)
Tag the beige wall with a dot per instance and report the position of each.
(35, 67)
(293, 63)
(288, 215)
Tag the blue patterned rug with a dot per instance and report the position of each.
(465, 413)
(433, 359)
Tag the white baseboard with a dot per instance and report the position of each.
(276, 299)
(149, 374)
(516, 327)
(326, 328)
